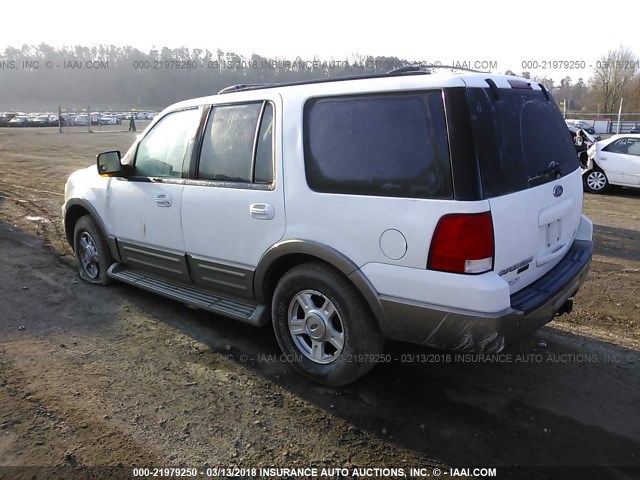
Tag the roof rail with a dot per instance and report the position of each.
(406, 70)
(242, 86)
(235, 88)
(451, 67)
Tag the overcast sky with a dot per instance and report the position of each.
(508, 33)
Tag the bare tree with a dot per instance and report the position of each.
(632, 95)
(614, 73)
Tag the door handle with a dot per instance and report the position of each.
(262, 211)
(163, 200)
(603, 158)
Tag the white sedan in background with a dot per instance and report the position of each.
(614, 161)
(108, 119)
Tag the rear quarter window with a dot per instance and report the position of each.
(382, 145)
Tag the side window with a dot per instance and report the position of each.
(393, 145)
(238, 145)
(634, 147)
(162, 152)
(619, 146)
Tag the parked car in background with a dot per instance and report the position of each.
(635, 129)
(45, 121)
(40, 121)
(82, 119)
(108, 119)
(55, 120)
(20, 121)
(586, 126)
(614, 161)
(583, 124)
(6, 117)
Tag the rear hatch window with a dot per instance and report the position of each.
(521, 139)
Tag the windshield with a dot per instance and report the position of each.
(519, 137)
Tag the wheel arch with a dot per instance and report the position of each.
(77, 208)
(596, 165)
(287, 254)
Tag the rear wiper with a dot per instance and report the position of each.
(552, 171)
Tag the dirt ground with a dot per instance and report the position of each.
(97, 377)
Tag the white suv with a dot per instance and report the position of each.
(443, 210)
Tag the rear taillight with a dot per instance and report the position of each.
(462, 243)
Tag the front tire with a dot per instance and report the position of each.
(596, 181)
(92, 253)
(324, 326)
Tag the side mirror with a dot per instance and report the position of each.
(109, 164)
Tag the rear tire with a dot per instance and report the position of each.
(92, 253)
(324, 326)
(596, 181)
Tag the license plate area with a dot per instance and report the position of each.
(553, 247)
(553, 234)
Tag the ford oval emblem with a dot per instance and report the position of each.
(557, 191)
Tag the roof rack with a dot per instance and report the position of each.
(409, 70)
(242, 86)
(428, 68)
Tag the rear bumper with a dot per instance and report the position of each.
(531, 308)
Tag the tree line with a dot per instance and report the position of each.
(124, 77)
